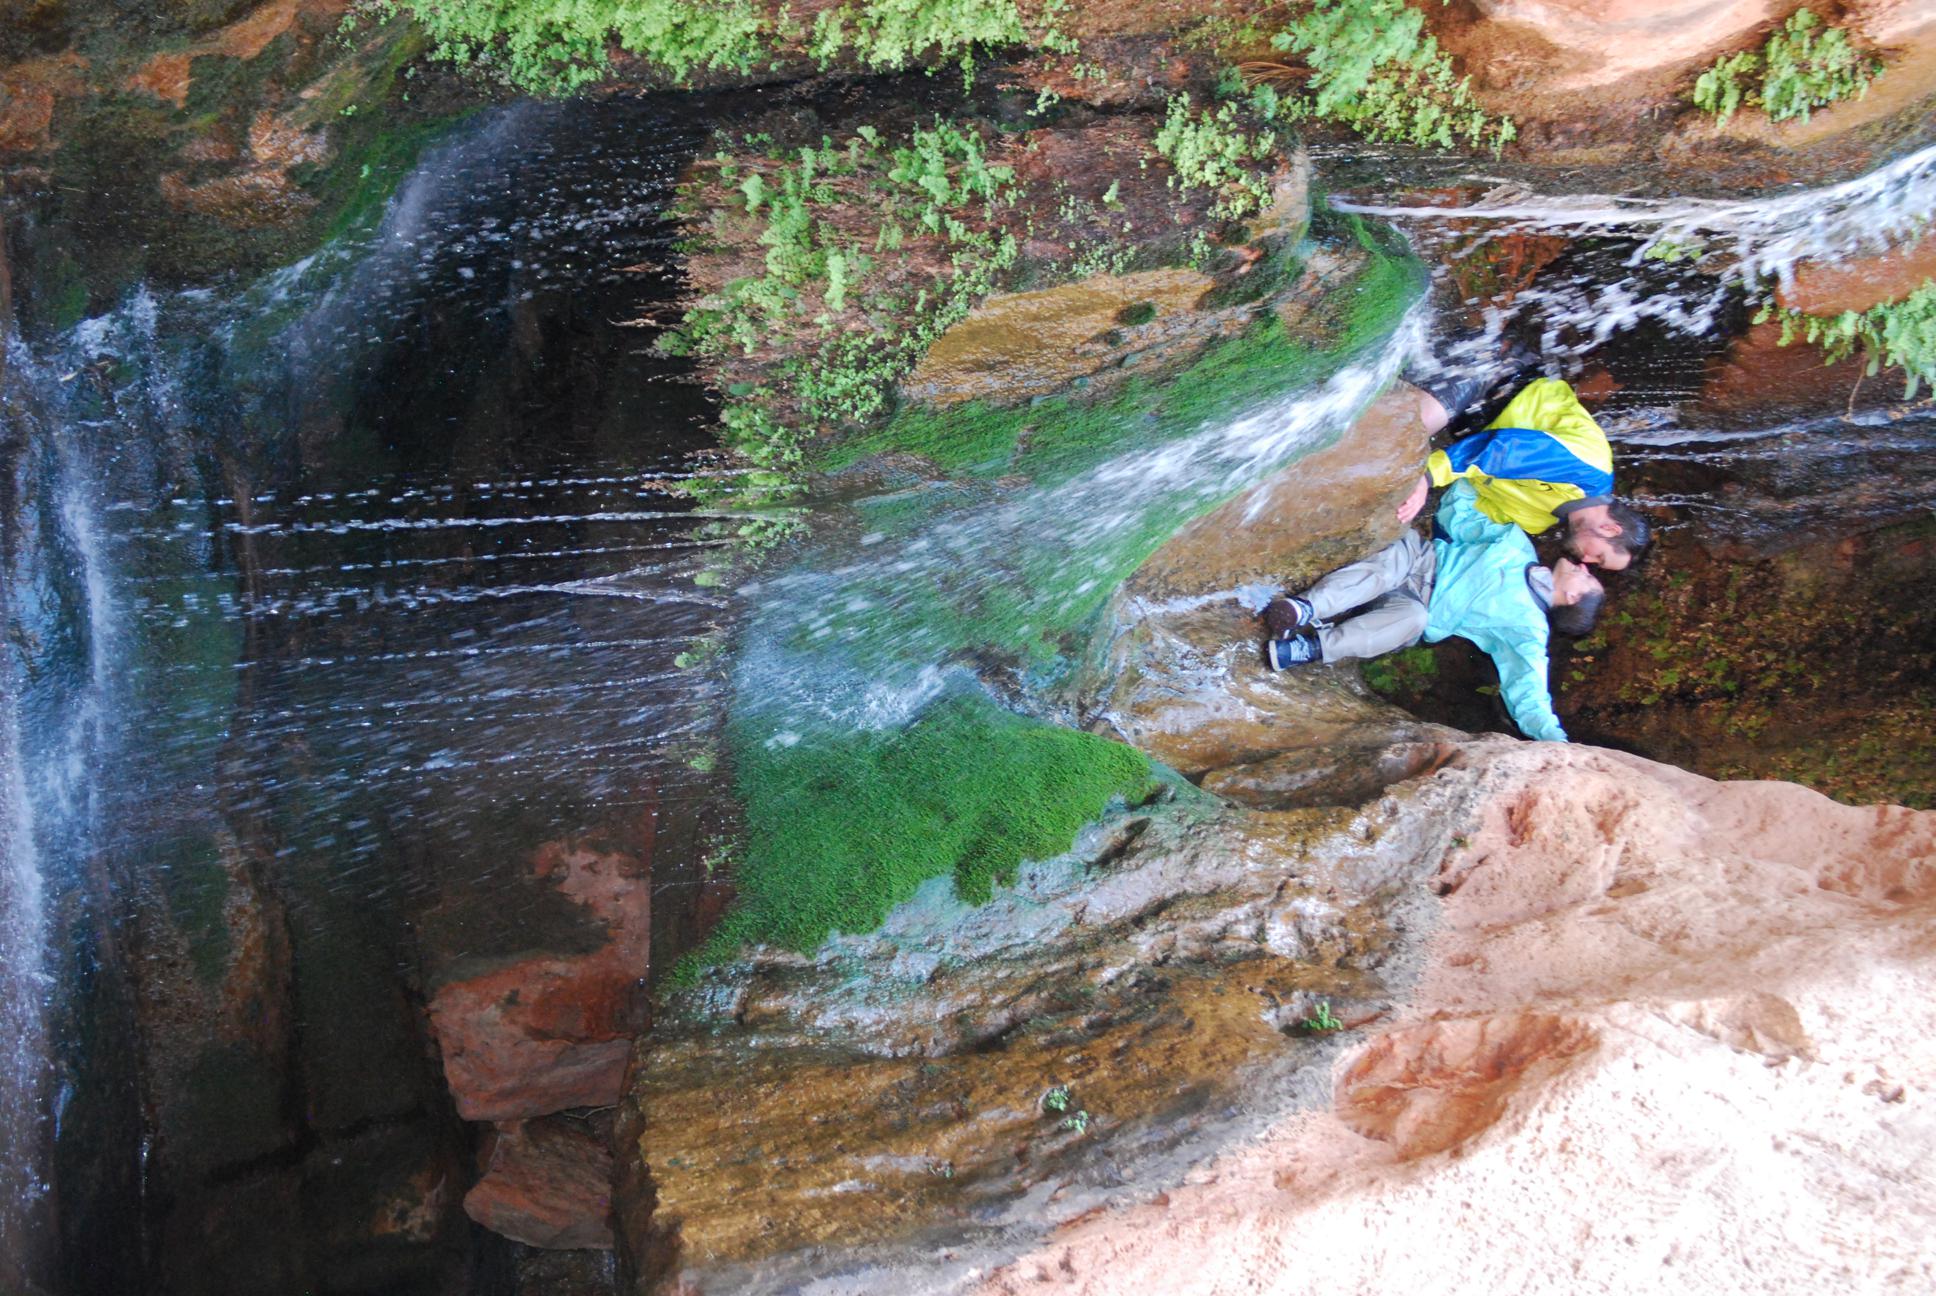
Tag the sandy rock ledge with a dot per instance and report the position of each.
(1669, 1031)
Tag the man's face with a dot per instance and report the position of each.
(1589, 546)
(1573, 581)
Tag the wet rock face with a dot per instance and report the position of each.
(962, 1068)
(1610, 84)
(1759, 378)
(967, 1067)
(275, 1158)
(543, 1030)
(1180, 664)
(547, 1183)
(1812, 664)
(1017, 345)
(1117, 270)
(174, 146)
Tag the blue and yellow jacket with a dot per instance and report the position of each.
(1544, 451)
(1481, 593)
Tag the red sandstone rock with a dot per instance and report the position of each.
(547, 1183)
(1859, 283)
(1613, 39)
(551, 1031)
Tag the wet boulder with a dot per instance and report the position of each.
(547, 1023)
(547, 1183)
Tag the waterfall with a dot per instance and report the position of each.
(57, 677)
(23, 989)
(851, 640)
(1682, 261)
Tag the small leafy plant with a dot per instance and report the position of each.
(1405, 672)
(1804, 65)
(553, 47)
(1057, 1102)
(1372, 67)
(1210, 150)
(1322, 1020)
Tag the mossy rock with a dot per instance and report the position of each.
(841, 827)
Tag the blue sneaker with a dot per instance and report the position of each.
(1293, 650)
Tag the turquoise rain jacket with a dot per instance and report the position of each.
(1480, 593)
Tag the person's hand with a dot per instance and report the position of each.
(1413, 502)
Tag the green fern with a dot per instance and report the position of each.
(1209, 150)
(1374, 69)
(888, 34)
(1804, 65)
(553, 47)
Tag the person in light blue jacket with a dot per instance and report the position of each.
(1478, 579)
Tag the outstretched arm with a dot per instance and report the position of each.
(1522, 683)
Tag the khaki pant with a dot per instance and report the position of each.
(1392, 587)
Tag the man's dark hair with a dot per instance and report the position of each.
(1634, 531)
(1575, 620)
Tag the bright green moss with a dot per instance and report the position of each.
(842, 827)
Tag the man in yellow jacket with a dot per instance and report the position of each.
(1542, 463)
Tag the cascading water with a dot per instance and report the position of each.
(56, 732)
(23, 1065)
(850, 636)
(381, 584)
(1685, 260)
(1635, 269)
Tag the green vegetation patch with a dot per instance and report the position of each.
(1209, 149)
(1815, 666)
(825, 216)
(1373, 68)
(1897, 335)
(553, 47)
(1050, 440)
(1804, 65)
(1404, 673)
(842, 827)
